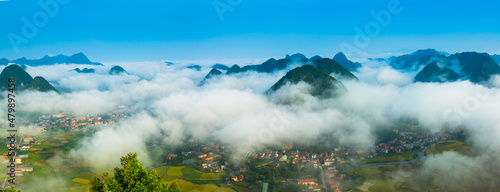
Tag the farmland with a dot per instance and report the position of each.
(451, 145)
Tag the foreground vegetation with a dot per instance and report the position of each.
(132, 177)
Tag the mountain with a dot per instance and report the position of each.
(472, 66)
(194, 67)
(40, 84)
(78, 58)
(4, 61)
(415, 60)
(477, 67)
(84, 70)
(266, 67)
(24, 80)
(272, 64)
(496, 58)
(316, 58)
(447, 75)
(116, 70)
(429, 73)
(14, 71)
(234, 69)
(212, 74)
(330, 66)
(323, 85)
(296, 56)
(220, 67)
(346, 63)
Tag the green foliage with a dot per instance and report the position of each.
(12, 189)
(132, 177)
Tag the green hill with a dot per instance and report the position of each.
(40, 84)
(24, 81)
(323, 84)
(429, 73)
(477, 66)
(14, 71)
(447, 75)
(330, 66)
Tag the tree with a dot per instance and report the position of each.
(11, 189)
(132, 177)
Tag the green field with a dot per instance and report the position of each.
(451, 145)
(380, 178)
(188, 186)
(186, 173)
(189, 179)
(394, 157)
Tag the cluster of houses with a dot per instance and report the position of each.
(207, 154)
(20, 168)
(406, 142)
(409, 141)
(70, 121)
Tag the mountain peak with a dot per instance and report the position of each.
(429, 73)
(296, 56)
(220, 66)
(17, 72)
(116, 70)
(78, 58)
(421, 52)
(348, 64)
(212, 74)
(4, 61)
(234, 69)
(330, 66)
(414, 60)
(40, 84)
(323, 85)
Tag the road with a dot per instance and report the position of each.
(323, 178)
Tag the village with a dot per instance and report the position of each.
(65, 122)
(20, 167)
(70, 122)
(320, 165)
(212, 157)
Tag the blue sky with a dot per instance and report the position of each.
(187, 29)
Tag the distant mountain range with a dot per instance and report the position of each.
(84, 70)
(415, 60)
(315, 71)
(78, 58)
(472, 66)
(24, 81)
(326, 65)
